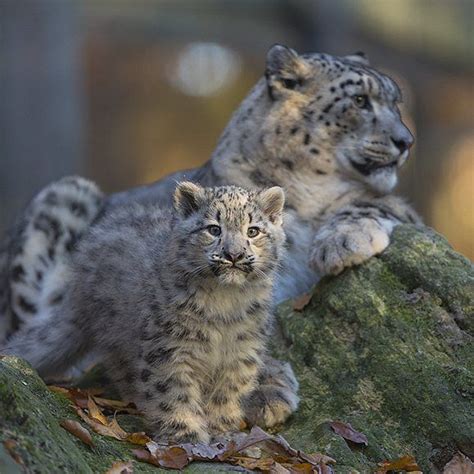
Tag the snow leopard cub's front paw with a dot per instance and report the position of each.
(347, 244)
(275, 398)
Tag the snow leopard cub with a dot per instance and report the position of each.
(177, 302)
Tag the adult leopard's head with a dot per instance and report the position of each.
(336, 114)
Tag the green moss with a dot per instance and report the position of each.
(425, 260)
(386, 347)
(30, 415)
(378, 347)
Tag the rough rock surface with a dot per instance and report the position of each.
(387, 347)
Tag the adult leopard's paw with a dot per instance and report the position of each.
(349, 244)
(275, 398)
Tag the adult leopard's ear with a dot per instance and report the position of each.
(359, 57)
(188, 198)
(285, 70)
(272, 201)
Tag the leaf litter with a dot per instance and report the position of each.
(275, 455)
(80, 397)
(348, 432)
(75, 428)
(405, 463)
(256, 450)
(459, 464)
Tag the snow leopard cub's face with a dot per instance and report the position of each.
(230, 234)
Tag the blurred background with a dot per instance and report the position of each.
(126, 91)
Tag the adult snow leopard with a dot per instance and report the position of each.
(328, 130)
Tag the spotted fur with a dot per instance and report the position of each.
(40, 244)
(178, 303)
(328, 130)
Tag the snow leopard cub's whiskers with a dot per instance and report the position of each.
(186, 300)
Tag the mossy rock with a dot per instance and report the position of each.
(386, 347)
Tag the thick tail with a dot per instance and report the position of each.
(39, 247)
(51, 345)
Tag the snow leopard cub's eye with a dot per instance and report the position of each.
(214, 230)
(253, 232)
(290, 83)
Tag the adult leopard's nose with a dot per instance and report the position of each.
(403, 141)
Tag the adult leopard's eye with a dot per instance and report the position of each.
(253, 232)
(362, 101)
(214, 230)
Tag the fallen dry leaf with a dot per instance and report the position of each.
(56, 389)
(143, 455)
(116, 428)
(205, 452)
(75, 428)
(278, 468)
(405, 463)
(80, 397)
(300, 303)
(95, 412)
(256, 435)
(112, 429)
(280, 450)
(154, 447)
(121, 467)
(347, 432)
(173, 457)
(316, 458)
(459, 464)
(263, 465)
(302, 468)
(72, 392)
(117, 405)
(10, 445)
(279, 446)
(138, 438)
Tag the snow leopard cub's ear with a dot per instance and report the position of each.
(285, 71)
(188, 198)
(359, 57)
(272, 201)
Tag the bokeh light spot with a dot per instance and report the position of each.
(204, 69)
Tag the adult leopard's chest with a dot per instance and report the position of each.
(296, 277)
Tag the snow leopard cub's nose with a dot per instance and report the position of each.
(233, 256)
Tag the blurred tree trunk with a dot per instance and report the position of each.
(40, 97)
